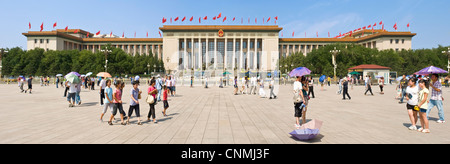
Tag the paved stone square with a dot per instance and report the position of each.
(213, 116)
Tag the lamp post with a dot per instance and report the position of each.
(2, 52)
(148, 69)
(106, 51)
(448, 55)
(334, 53)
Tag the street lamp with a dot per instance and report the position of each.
(334, 53)
(2, 52)
(448, 55)
(148, 69)
(106, 51)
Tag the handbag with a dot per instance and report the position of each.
(150, 99)
(297, 97)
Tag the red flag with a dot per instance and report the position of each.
(164, 20)
(29, 25)
(256, 20)
(183, 19)
(293, 33)
(123, 35)
(395, 26)
(54, 25)
(381, 22)
(214, 18)
(147, 34)
(317, 33)
(328, 34)
(383, 27)
(364, 28)
(369, 26)
(276, 18)
(199, 19)
(160, 34)
(407, 25)
(98, 33)
(87, 35)
(110, 34)
(67, 27)
(42, 26)
(192, 18)
(176, 19)
(351, 32)
(170, 20)
(220, 15)
(76, 31)
(234, 19)
(373, 31)
(205, 18)
(268, 19)
(374, 24)
(224, 18)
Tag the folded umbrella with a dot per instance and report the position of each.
(305, 134)
(300, 71)
(308, 131)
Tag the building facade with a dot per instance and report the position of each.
(215, 47)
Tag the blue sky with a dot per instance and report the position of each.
(429, 19)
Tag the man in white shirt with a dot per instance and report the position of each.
(102, 90)
(72, 92)
(272, 86)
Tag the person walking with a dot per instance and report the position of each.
(412, 98)
(77, 95)
(108, 99)
(166, 103)
(102, 90)
(311, 87)
(235, 85)
(403, 85)
(158, 85)
(345, 90)
(423, 107)
(21, 82)
(369, 86)
(134, 102)
(262, 93)
(436, 98)
(117, 100)
(381, 84)
(30, 84)
(152, 91)
(271, 87)
(72, 92)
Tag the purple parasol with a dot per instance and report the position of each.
(430, 70)
(300, 71)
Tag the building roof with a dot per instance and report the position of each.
(356, 37)
(66, 34)
(166, 28)
(369, 66)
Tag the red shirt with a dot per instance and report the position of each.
(165, 95)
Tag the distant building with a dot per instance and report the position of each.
(373, 71)
(240, 47)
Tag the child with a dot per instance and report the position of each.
(166, 104)
(423, 105)
(108, 99)
(134, 102)
(117, 97)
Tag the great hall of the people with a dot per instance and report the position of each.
(194, 47)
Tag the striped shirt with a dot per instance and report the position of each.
(435, 95)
